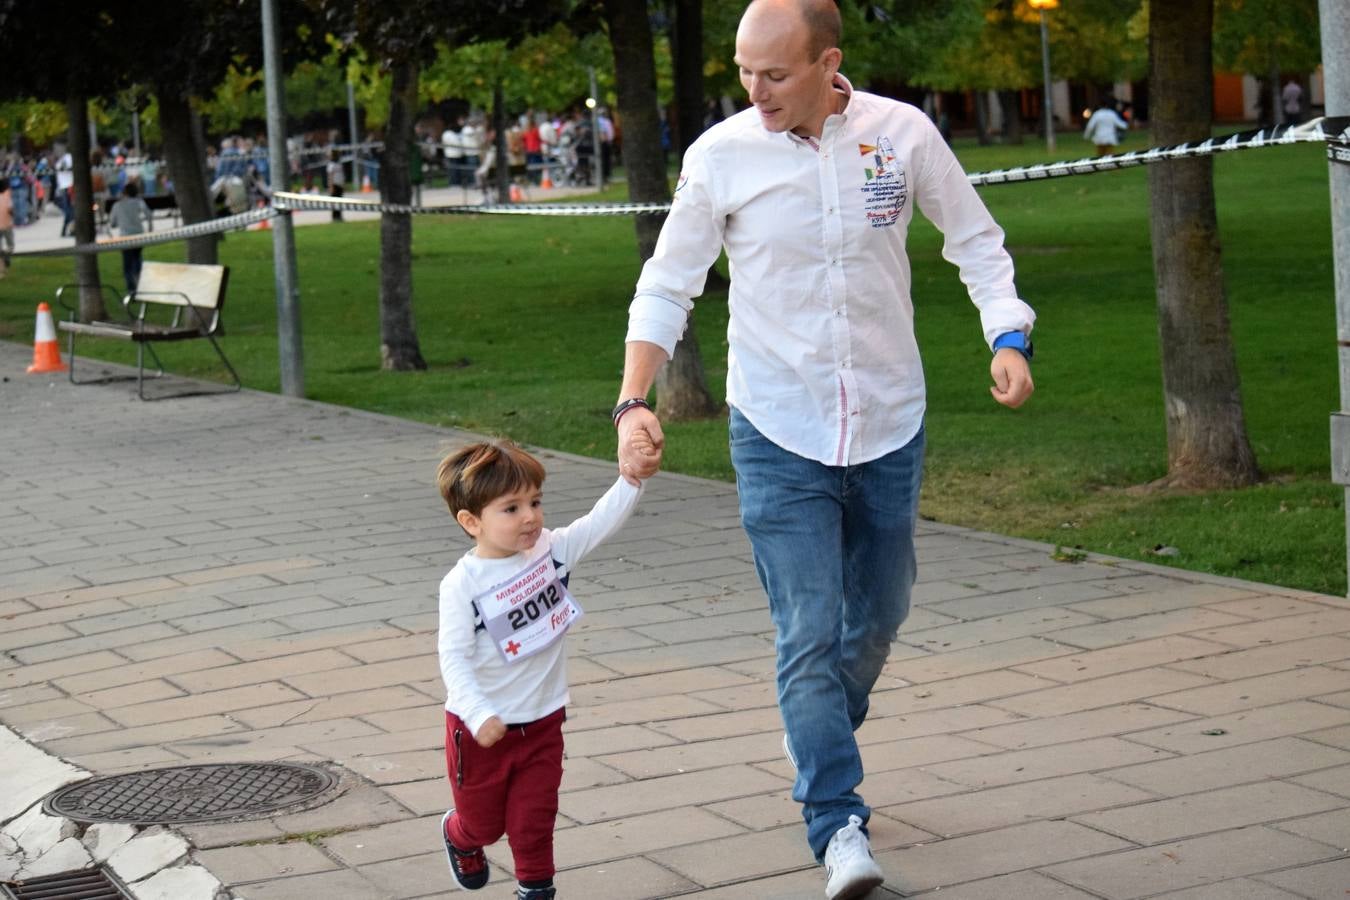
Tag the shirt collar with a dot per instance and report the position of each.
(842, 86)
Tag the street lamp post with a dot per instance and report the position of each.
(1041, 6)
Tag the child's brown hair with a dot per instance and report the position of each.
(474, 476)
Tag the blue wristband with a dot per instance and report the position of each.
(1016, 340)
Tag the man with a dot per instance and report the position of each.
(811, 192)
(452, 150)
(1291, 101)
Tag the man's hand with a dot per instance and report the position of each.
(1012, 378)
(492, 731)
(640, 444)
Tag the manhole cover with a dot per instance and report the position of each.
(181, 794)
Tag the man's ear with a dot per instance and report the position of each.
(833, 57)
(469, 522)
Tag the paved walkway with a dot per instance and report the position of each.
(250, 577)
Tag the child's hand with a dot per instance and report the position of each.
(493, 730)
(640, 441)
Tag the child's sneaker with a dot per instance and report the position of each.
(538, 892)
(469, 867)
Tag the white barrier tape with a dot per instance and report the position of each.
(150, 238)
(1333, 131)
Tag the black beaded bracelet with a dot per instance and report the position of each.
(626, 405)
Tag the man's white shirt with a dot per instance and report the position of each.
(823, 360)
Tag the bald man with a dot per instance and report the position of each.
(811, 192)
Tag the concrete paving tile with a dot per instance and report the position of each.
(424, 875)
(1332, 781)
(1200, 622)
(607, 640)
(689, 757)
(882, 789)
(1113, 660)
(1236, 889)
(710, 726)
(65, 727)
(947, 638)
(644, 711)
(1272, 658)
(617, 740)
(739, 857)
(1092, 723)
(392, 840)
(72, 617)
(1018, 886)
(1299, 717)
(1269, 606)
(1012, 767)
(368, 744)
(203, 703)
(127, 760)
(977, 688)
(879, 729)
(1179, 596)
(44, 710)
(1000, 807)
(345, 883)
(1085, 695)
(953, 664)
(202, 640)
(260, 567)
(805, 884)
(760, 812)
(361, 805)
(626, 879)
(580, 773)
(986, 604)
(757, 694)
(23, 638)
(1263, 690)
(33, 693)
(694, 654)
(978, 856)
(239, 674)
(367, 677)
(685, 681)
(423, 798)
(89, 684)
(1331, 828)
(261, 862)
(917, 751)
(638, 834)
(400, 647)
(1290, 628)
(1170, 819)
(670, 792)
(1190, 863)
(709, 627)
(285, 644)
(399, 768)
(148, 735)
(99, 591)
(1277, 758)
(61, 648)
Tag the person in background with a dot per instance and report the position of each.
(6, 227)
(1105, 126)
(130, 215)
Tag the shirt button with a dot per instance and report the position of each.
(846, 364)
(838, 313)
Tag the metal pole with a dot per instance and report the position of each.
(136, 133)
(289, 348)
(1336, 81)
(1049, 100)
(595, 134)
(351, 128)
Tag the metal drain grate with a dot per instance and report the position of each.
(86, 884)
(183, 794)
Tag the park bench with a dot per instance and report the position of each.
(172, 302)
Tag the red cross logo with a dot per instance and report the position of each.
(512, 647)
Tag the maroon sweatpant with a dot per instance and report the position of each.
(510, 788)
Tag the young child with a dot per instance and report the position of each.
(504, 608)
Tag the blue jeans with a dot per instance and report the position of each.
(834, 549)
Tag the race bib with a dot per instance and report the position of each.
(528, 611)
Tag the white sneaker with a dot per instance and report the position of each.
(850, 870)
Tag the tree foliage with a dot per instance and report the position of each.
(1250, 34)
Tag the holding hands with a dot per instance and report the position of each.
(640, 444)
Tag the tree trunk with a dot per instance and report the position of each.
(1207, 444)
(681, 389)
(82, 195)
(399, 350)
(1276, 101)
(1012, 116)
(185, 154)
(982, 118)
(502, 150)
(687, 53)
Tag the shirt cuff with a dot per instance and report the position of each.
(656, 320)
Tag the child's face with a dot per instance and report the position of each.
(508, 525)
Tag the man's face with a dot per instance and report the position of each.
(791, 91)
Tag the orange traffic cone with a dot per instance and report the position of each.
(516, 193)
(365, 184)
(261, 224)
(546, 183)
(46, 352)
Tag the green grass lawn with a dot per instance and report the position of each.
(521, 321)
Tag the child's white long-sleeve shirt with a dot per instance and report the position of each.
(479, 683)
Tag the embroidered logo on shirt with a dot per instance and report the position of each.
(884, 187)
